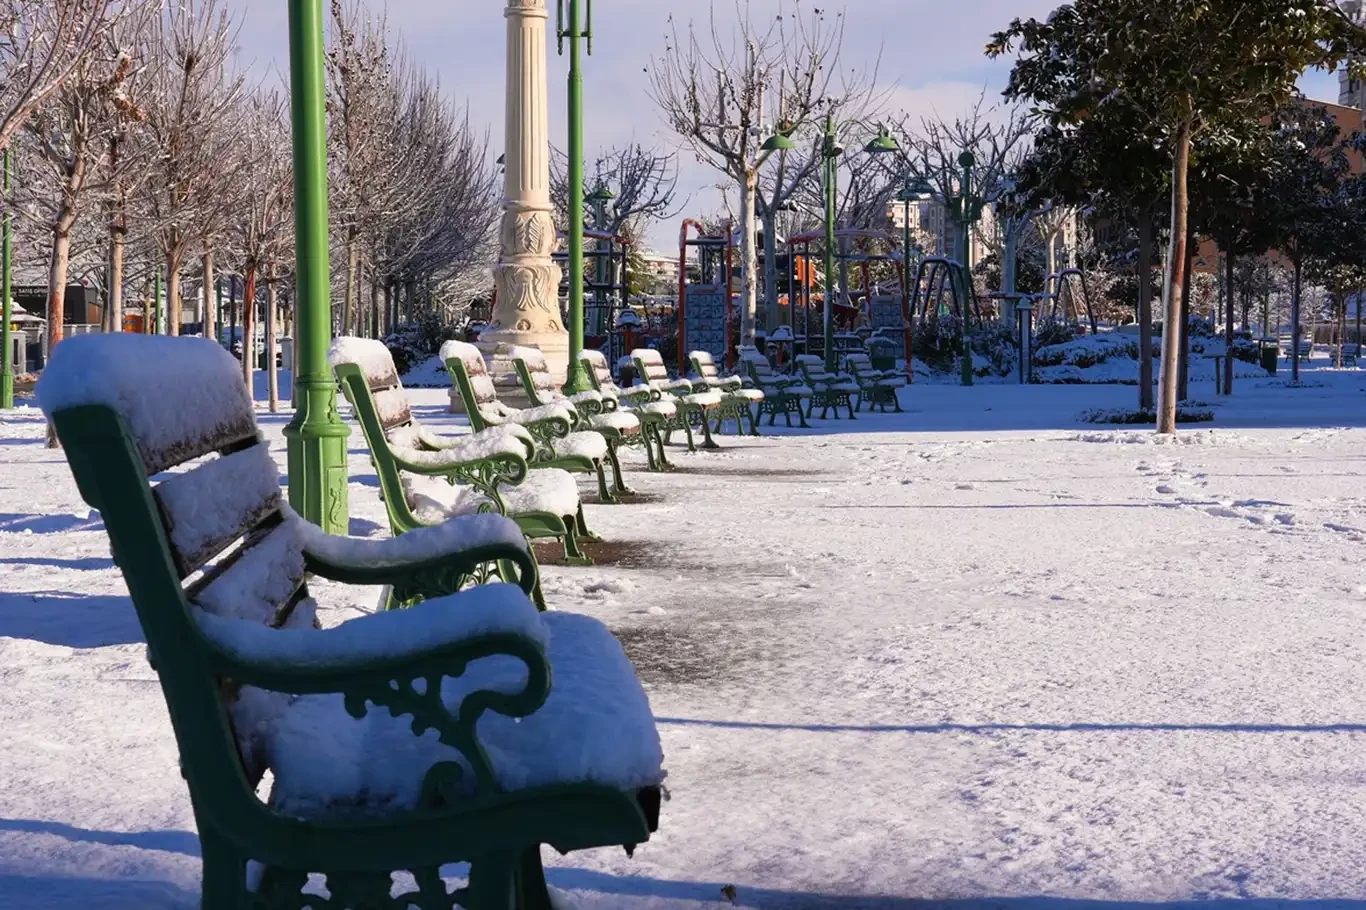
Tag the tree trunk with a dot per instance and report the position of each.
(173, 289)
(1187, 263)
(386, 322)
(349, 307)
(272, 379)
(1341, 321)
(772, 312)
(1145, 311)
(1228, 325)
(1295, 324)
(210, 304)
(114, 317)
(1176, 259)
(374, 309)
(749, 259)
(842, 298)
(249, 328)
(56, 286)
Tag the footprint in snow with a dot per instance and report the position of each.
(964, 486)
(1166, 489)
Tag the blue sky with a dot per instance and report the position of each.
(931, 61)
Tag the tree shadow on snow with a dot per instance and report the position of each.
(85, 564)
(1014, 728)
(185, 842)
(69, 619)
(767, 898)
(18, 523)
(61, 892)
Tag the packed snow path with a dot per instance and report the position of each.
(973, 651)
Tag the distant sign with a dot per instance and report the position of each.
(885, 313)
(77, 309)
(704, 320)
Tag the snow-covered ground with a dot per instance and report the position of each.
(976, 651)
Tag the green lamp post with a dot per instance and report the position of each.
(579, 33)
(914, 191)
(6, 366)
(599, 199)
(969, 211)
(316, 437)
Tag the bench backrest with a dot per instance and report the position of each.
(811, 364)
(704, 364)
(369, 379)
(599, 373)
(213, 536)
(859, 364)
(470, 373)
(531, 361)
(651, 366)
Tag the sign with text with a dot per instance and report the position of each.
(704, 320)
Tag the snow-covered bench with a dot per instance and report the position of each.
(828, 390)
(639, 401)
(426, 478)
(782, 394)
(558, 445)
(1351, 353)
(588, 408)
(876, 387)
(737, 402)
(398, 742)
(694, 408)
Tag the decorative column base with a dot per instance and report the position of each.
(317, 458)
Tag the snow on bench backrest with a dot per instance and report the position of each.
(381, 375)
(180, 397)
(706, 363)
(597, 362)
(650, 359)
(538, 368)
(480, 381)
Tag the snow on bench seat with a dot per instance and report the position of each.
(549, 490)
(595, 727)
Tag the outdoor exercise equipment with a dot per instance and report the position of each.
(704, 308)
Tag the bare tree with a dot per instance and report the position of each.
(999, 144)
(723, 93)
(193, 92)
(263, 224)
(70, 136)
(41, 44)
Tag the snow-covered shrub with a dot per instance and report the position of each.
(415, 342)
(1133, 416)
(938, 342)
(1054, 331)
(996, 343)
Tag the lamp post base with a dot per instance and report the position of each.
(316, 444)
(576, 379)
(7, 391)
(967, 365)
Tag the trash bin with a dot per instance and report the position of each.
(1271, 353)
(882, 352)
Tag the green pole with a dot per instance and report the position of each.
(576, 381)
(316, 437)
(906, 314)
(828, 153)
(218, 311)
(967, 161)
(6, 364)
(156, 304)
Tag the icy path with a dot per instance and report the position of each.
(970, 652)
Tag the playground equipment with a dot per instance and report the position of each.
(851, 247)
(1056, 284)
(935, 275)
(704, 307)
(611, 259)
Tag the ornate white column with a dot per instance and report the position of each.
(527, 311)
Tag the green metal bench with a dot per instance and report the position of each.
(426, 478)
(590, 410)
(877, 388)
(782, 394)
(558, 445)
(737, 402)
(828, 390)
(694, 409)
(653, 415)
(217, 569)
